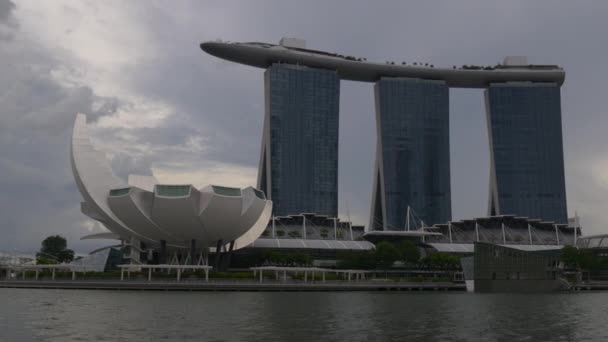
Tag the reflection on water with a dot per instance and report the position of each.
(64, 315)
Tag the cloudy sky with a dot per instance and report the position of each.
(156, 103)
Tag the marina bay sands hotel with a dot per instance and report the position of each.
(299, 158)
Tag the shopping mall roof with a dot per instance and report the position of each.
(311, 244)
(470, 248)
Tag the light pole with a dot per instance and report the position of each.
(335, 227)
(303, 225)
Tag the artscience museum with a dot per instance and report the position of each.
(164, 223)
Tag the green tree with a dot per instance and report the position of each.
(294, 234)
(280, 233)
(56, 247)
(409, 252)
(363, 260)
(301, 259)
(442, 261)
(324, 233)
(275, 258)
(386, 254)
(570, 256)
(42, 260)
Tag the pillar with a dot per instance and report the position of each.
(162, 253)
(450, 231)
(228, 256)
(193, 252)
(218, 254)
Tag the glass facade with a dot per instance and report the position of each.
(222, 190)
(299, 162)
(527, 162)
(173, 190)
(119, 192)
(413, 153)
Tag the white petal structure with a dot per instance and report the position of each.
(94, 179)
(146, 211)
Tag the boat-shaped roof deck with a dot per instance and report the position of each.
(263, 55)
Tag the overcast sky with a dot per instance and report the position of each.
(157, 103)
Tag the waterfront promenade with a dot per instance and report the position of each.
(232, 285)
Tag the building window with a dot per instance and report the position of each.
(225, 191)
(173, 190)
(119, 192)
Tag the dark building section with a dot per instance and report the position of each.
(299, 161)
(505, 230)
(311, 227)
(413, 153)
(504, 269)
(527, 162)
(323, 253)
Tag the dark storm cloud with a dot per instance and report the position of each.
(222, 103)
(37, 193)
(6, 9)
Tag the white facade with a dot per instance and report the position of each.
(147, 212)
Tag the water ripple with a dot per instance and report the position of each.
(64, 315)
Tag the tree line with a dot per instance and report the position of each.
(386, 254)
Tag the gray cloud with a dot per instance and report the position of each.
(6, 9)
(38, 195)
(222, 103)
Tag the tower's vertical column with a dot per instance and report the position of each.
(413, 153)
(526, 151)
(299, 160)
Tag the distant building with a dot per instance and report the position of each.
(460, 236)
(527, 160)
(298, 167)
(516, 269)
(312, 227)
(413, 153)
(506, 230)
(299, 161)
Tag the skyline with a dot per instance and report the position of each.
(187, 132)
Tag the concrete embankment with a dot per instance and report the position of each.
(231, 285)
(594, 286)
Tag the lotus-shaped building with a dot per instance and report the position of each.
(150, 217)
